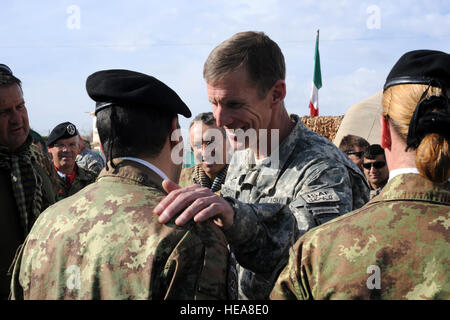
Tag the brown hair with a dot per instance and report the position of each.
(350, 141)
(256, 52)
(433, 153)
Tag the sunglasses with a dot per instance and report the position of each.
(359, 154)
(376, 165)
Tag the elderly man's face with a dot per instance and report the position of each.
(237, 105)
(209, 146)
(14, 125)
(64, 153)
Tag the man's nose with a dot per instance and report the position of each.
(15, 117)
(223, 117)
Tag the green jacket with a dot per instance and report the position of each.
(395, 247)
(82, 179)
(11, 230)
(105, 243)
(186, 177)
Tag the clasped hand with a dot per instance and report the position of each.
(194, 202)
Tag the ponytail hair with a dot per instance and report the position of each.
(433, 152)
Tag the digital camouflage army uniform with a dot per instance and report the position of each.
(313, 183)
(82, 179)
(105, 243)
(90, 160)
(396, 247)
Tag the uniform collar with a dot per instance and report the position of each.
(148, 165)
(396, 172)
(132, 172)
(412, 186)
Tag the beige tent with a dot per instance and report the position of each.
(362, 119)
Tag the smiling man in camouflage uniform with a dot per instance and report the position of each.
(104, 242)
(270, 196)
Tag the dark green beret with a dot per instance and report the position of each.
(421, 67)
(63, 130)
(129, 89)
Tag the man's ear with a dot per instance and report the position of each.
(385, 133)
(278, 92)
(175, 136)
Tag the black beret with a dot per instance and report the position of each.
(130, 88)
(420, 67)
(63, 130)
(4, 69)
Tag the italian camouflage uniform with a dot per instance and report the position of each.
(312, 183)
(90, 160)
(186, 177)
(105, 243)
(395, 247)
(83, 177)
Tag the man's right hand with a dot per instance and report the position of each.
(194, 202)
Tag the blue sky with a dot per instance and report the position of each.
(359, 43)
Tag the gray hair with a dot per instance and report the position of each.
(207, 118)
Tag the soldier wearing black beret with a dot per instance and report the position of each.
(63, 145)
(401, 236)
(107, 233)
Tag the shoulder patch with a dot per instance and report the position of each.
(319, 196)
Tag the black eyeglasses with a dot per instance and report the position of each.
(376, 165)
(359, 154)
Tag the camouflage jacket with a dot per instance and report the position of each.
(312, 182)
(44, 167)
(90, 160)
(187, 177)
(396, 247)
(12, 231)
(82, 179)
(105, 243)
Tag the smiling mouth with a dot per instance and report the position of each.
(16, 130)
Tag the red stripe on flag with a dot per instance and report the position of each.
(313, 112)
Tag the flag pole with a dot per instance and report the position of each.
(317, 81)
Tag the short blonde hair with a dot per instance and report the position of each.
(433, 153)
(256, 52)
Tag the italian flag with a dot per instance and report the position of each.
(317, 82)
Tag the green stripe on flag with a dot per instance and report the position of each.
(317, 78)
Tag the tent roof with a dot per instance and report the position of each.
(362, 119)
